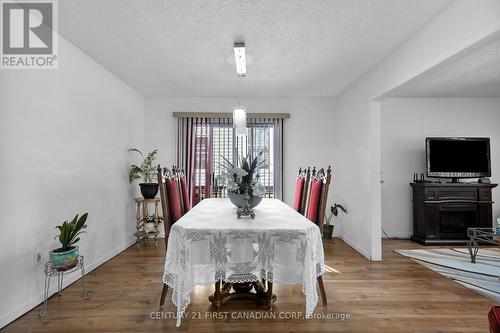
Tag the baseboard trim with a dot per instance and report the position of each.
(68, 280)
(402, 235)
(355, 246)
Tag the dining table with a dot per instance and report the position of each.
(211, 245)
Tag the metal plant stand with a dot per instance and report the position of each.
(51, 271)
(480, 235)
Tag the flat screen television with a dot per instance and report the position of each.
(458, 157)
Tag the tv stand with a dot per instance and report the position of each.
(442, 212)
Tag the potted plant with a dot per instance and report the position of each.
(149, 223)
(145, 171)
(65, 257)
(243, 181)
(328, 226)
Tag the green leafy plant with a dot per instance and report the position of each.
(147, 168)
(151, 219)
(68, 232)
(334, 211)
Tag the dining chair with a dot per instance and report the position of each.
(173, 204)
(162, 177)
(316, 205)
(174, 197)
(310, 175)
(318, 195)
(301, 189)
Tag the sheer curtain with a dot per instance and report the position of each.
(202, 141)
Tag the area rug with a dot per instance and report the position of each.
(483, 277)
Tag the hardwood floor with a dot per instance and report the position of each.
(396, 295)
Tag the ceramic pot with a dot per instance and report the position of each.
(149, 190)
(64, 260)
(149, 227)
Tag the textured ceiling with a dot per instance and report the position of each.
(474, 75)
(297, 47)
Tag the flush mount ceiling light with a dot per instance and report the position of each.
(240, 59)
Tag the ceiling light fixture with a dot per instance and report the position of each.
(240, 120)
(240, 59)
(239, 111)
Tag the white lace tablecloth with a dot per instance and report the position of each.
(209, 243)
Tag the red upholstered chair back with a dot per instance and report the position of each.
(182, 189)
(185, 194)
(173, 195)
(301, 190)
(298, 193)
(318, 195)
(314, 200)
(494, 318)
(174, 199)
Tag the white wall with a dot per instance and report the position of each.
(405, 123)
(459, 26)
(309, 135)
(64, 136)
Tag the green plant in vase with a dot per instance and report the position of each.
(66, 256)
(146, 171)
(243, 182)
(328, 226)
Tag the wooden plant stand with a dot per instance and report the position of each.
(140, 218)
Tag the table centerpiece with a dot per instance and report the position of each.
(242, 182)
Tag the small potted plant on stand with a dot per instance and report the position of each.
(149, 223)
(328, 226)
(66, 256)
(145, 171)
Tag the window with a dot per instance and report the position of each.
(202, 143)
(202, 157)
(224, 143)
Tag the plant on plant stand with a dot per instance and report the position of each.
(149, 223)
(328, 226)
(146, 171)
(243, 182)
(66, 256)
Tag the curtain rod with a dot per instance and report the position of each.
(228, 115)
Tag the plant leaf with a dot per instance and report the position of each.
(77, 227)
(76, 240)
(227, 161)
(136, 150)
(68, 231)
(136, 172)
(341, 207)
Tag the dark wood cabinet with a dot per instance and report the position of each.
(442, 212)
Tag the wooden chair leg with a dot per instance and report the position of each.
(322, 290)
(270, 299)
(163, 294)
